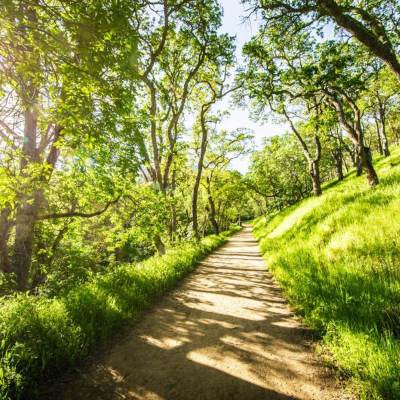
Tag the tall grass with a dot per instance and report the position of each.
(338, 259)
(39, 336)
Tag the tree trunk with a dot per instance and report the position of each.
(313, 167)
(378, 136)
(358, 164)
(5, 264)
(338, 157)
(213, 213)
(383, 136)
(195, 196)
(196, 187)
(160, 246)
(27, 208)
(23, 246)
(366, 162)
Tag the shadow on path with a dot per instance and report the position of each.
(225, 333)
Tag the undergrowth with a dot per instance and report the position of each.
(338, 259)
(41, 336)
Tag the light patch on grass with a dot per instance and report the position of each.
(295, 217)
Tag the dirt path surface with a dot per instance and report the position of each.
(225, 333)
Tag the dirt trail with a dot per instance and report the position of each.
(225, 333)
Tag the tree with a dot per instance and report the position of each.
(59, 64)
(224, 147)
(308, 75)
(373, 23)
(270, 178)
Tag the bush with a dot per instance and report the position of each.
(40, 337)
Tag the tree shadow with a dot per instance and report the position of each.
(225, 333)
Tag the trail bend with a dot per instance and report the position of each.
(225, 333)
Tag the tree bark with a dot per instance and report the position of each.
(378, 136)
(26, 212)
(5, 264)
(366, 162)
(203, 149)
(212, 213)
(338, 158)
(313, 168)
(160, 246)
(383, 136)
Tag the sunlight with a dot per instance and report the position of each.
(295, 216)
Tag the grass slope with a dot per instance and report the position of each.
(40, 337)
(338, 259)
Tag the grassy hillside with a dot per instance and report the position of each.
(338, 259)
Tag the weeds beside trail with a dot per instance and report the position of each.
(39, 337)
(338, 259)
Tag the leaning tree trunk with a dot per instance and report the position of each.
(160, 246)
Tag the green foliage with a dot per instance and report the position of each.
(40, 336)
(337, 258)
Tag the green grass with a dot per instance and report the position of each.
(40, 337)
(337, 258)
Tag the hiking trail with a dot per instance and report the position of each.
(224, 333)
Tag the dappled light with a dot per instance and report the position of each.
(225, 333)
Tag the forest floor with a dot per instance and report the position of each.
(225, 333)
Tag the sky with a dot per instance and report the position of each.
(240, 118)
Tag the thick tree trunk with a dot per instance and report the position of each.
(23, 246)
(358, 164)
(28, 203)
